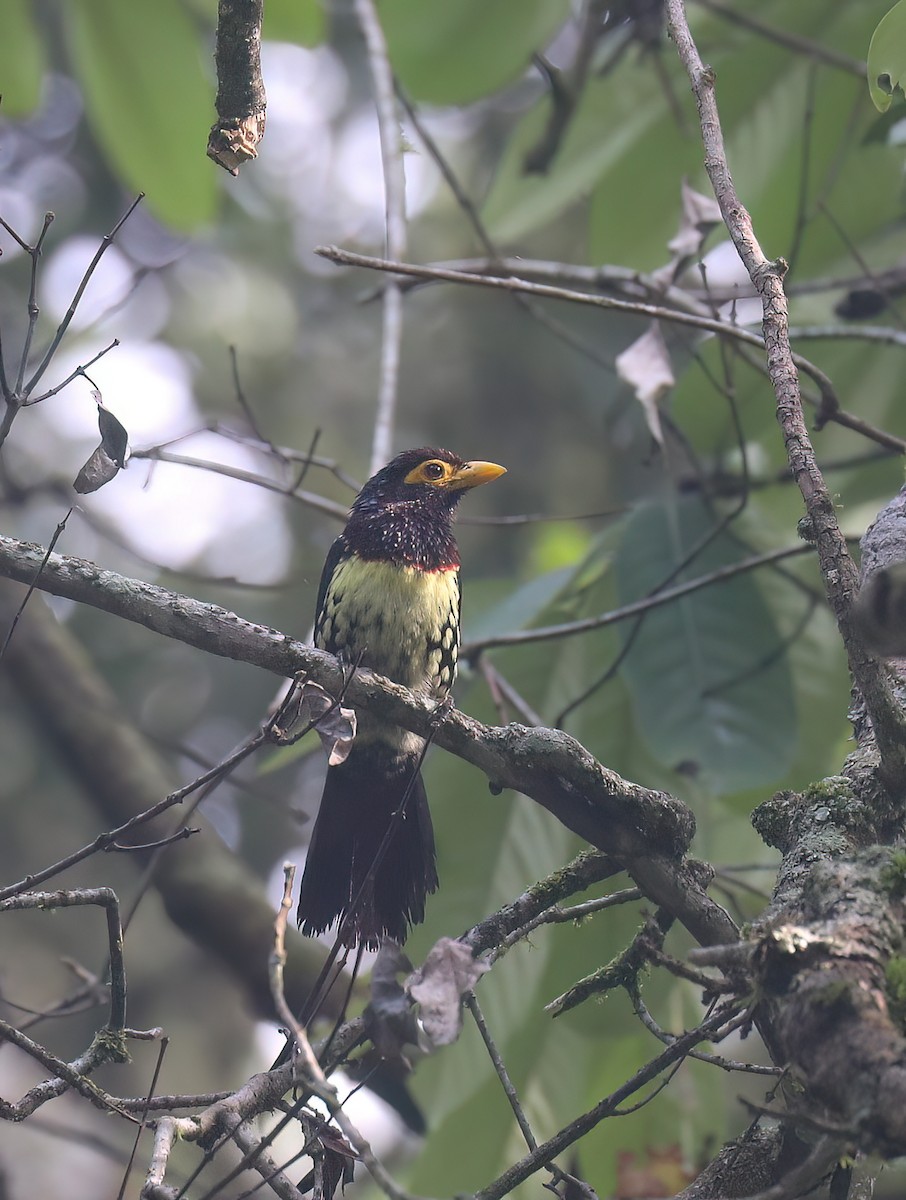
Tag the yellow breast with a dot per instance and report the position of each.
(404, 623)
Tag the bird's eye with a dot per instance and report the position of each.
(432, 470)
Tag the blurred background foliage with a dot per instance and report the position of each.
(721, 697)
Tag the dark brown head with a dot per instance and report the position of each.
(404, 513)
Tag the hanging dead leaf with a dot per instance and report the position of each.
(309, 705)
(646, 366)
(389, 1018)
(110, 456)
(699, 216)
(449, 971)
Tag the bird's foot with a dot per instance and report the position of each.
(442, 710)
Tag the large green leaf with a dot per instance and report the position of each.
(710, 686)
(301, 21)
(149, 101)
(21, 59)
(460, 52)
(607, 124)
(887, 57)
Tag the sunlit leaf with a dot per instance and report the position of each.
(152, 123)
(887, 57)
(457, 53)
(606, 125)
(21, 59)
(301, 21)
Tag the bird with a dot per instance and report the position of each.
(389, 599)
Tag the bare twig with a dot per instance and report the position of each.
(57, 533)
(106, 242)
(512, 1096)
(313, 1075)
(310, 499)
(716, 1027)
(792, 41)
(570, 628)
(395, 226)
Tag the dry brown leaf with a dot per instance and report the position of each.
(449, 971)
(646, 367)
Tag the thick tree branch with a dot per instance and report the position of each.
(208, 892)
(241, 101)
(647, 831)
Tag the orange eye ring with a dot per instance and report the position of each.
(433, 470)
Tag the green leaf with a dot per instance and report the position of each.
(457, 53)
(21, 60)
(607, 124)
(300, 21)
(710, 686)
(887, 57)
(149, 101)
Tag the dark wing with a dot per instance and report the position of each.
(335, 555)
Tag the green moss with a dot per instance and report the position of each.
(895, 974)
(112, 1045)
(893, 875)
(835, 791)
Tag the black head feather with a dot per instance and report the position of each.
(408, 523)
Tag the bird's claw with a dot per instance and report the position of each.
(442, 710)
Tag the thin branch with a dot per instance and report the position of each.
(791, 41)
(512, 1096)
(57, 533)
(164, 1043)
(313, 1075)
(310, 499)
(106, 242)
(829, 399)
(544, 633)
(79, 371)
(34, 253)
(713, 1029)
(837, 568)
(241, 102)
(556, 915)
(106, 899)
(726, 1064)
(395, 226)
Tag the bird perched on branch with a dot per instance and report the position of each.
(389, 600)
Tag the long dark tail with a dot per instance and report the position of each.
(370, 864)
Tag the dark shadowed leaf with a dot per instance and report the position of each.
(114, 438)
(457, 53)
(110, 456)
(710, 684)
(389, 1018)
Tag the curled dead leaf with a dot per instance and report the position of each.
(449, 971)
(646, 367)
